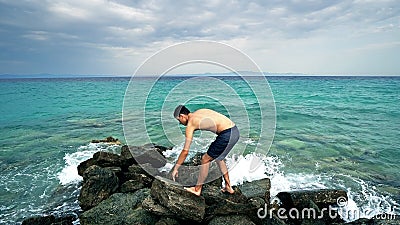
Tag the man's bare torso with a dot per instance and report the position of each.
(206, 119)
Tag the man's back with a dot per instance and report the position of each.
(207, 119)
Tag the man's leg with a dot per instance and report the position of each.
(205, 164)
(224, 170)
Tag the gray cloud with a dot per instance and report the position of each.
(100, 36)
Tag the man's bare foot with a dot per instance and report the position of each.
(228, 190)
(193, 190)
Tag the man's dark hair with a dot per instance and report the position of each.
(181, 109)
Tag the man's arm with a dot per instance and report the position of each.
(185, 151)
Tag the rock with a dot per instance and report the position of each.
(116, 170)
(107, 159)
(133, 170)
(301, 199)
(219, 203)
(314, 204)
(109, 140)
(120, 209)
(50, 220)
(263, 217)
(259, 203)
(160, 149)
(258, 188)
(213, 195)
(138, 174)
(148, 154)
(189, 172)
(39, 220)
(131, 186)
(84, 165)
(231, 219)
(167, 221)
(98, 184)
(188, 175)
(126, 157)
(102, 159)
(183, 204)
(151, 206)
(150, 170)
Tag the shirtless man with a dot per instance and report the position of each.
(228, 135)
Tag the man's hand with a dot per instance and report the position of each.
(174, 174)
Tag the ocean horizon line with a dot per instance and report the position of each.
(246, 74)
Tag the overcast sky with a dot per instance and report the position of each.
(116, 36)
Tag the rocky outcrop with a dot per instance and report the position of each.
(151, 206)
(49, 220)
(189, 172)
(219, 203)
(98, 184)
(312, 206)
(119, 189)
(302, 199)
(258, 188)
(106, 173)
(177, 200)
(169, 199)
(120, 209)
(231, 219)
(109, 140)
(150, 154)
(102, 159)
(167, 221)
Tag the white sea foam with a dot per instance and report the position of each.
(365, 201)
(251, 167)
(69, 173)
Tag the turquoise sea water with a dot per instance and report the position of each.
(331, 132)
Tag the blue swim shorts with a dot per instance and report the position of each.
(224, 143)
